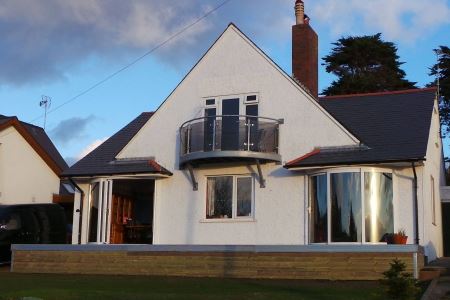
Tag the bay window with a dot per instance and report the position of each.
(352, 206)
(229, 197)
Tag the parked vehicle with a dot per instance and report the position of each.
(30, 224)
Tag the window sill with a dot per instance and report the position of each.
(243, 220)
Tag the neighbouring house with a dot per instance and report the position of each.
(247, 166)
(30, 165)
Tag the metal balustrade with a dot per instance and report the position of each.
(229, 136)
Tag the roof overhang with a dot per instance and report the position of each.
(84, 177)
(391, 164)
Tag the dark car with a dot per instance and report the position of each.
(30, 224)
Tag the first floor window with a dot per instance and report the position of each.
(229, 197)
(433, 202)
(351, 207)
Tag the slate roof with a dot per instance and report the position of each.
(41, 138)
(393, 127)
(101, 161)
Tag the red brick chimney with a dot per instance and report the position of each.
(305, 50)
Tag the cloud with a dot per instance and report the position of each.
(71, 160)
(88, 149)
(402, 20)
(43, 41)
(70, 129)
(47, 40)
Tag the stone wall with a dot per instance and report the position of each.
(269, 265)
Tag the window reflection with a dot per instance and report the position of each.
(319, 215)
(346, 207)
(378, 206)
(349, 217)
(219, 197)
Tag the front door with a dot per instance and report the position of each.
(99, 211)
(230, 124)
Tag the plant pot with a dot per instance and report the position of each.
(399, 240)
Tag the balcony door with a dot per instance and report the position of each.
(230, 124)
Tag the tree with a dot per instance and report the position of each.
(441, 71)
(399, 284)
(365, 64)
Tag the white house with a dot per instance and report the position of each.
(30, 165)
(241, 153)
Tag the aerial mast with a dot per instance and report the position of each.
(46, 102)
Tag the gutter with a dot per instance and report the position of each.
(416, 205)
(76, 186)
(352, 164)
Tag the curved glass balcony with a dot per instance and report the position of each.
(229, 138)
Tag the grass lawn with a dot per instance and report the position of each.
(16, 286)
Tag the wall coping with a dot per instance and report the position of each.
(224, 248)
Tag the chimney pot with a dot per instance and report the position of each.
(299, 12)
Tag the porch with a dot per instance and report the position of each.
(332, 262)
(116, 210)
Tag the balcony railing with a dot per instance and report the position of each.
(232, 136)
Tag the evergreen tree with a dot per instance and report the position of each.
(441, 71)
(365, 64)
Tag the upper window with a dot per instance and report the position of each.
(355, 207)
(229, 197)
(210, 101)
(251, 98)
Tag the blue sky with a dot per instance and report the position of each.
(60, 48)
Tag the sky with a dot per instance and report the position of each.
(61, 48)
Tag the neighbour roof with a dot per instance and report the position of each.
(38, 139)
(102, 160)
(393, 126)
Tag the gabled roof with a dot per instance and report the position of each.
(393, 126)
(38, 140)
(102, 160)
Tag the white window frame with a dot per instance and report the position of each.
(234, 216)
(328, 173)
(242, 102)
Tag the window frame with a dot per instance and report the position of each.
(361, 171)
(433, 201)
(234, 216)
(242, 102)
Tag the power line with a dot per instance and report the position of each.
(172, 37)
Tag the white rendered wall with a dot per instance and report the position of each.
(431, 236)
(24, 176)
(233, 66)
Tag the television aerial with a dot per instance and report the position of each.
(46, 102)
